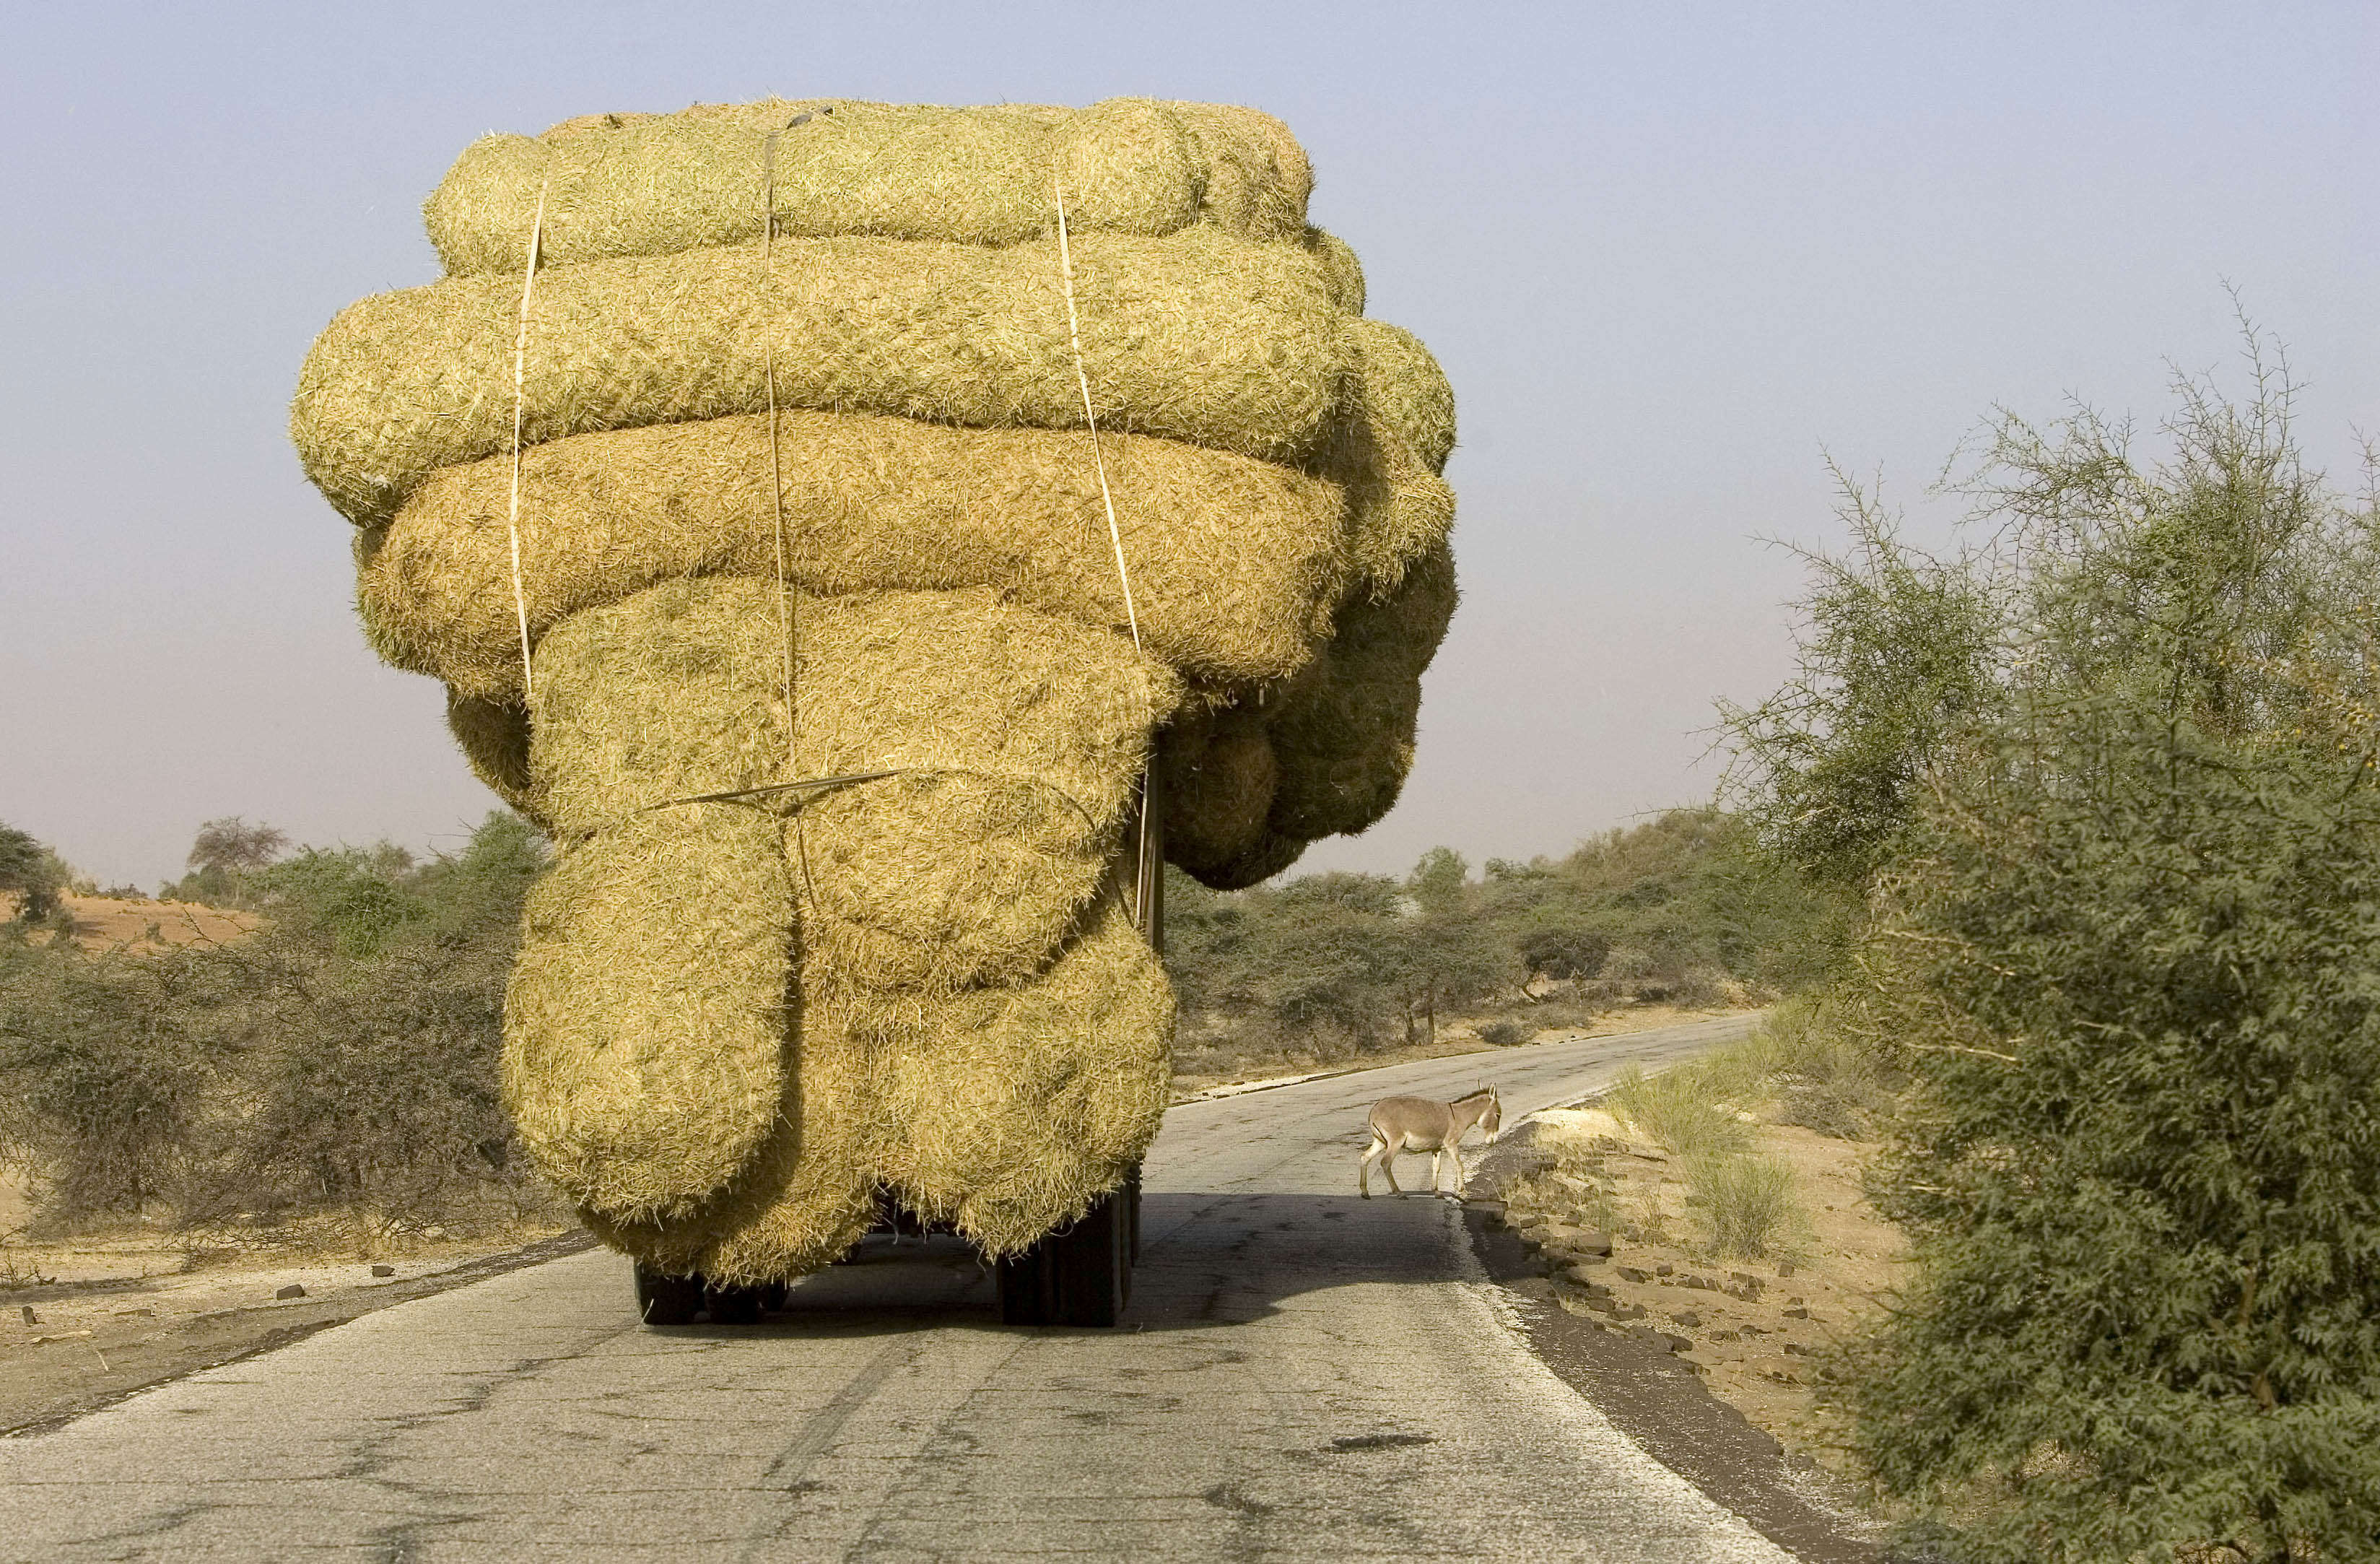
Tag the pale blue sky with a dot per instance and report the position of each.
(1666, 253)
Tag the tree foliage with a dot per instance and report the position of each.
(37, 874)
(1363, 960)
(2109, 781)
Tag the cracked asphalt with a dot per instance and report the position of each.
(1302, 1376)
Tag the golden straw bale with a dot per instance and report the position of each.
(1017, 739)
(1343, 270)
(493, 737)
(1392, 443)
(1342, 731)
(1008, 1111)
(1005, 1110)
(653, 184)
(1407, 390)
(1235, 563)
(644, 1027)
(1196, 336)
(809, 1193)
(1218, 775)
(1257, 176)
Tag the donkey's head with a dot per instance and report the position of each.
(1492, 1123)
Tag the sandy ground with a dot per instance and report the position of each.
(105, 923)
(1761, 1332)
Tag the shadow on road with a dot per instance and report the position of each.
(1206, 1260)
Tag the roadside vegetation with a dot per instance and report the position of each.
(2102, 786)
(318, 1060)
(333, 1073)
(1679, 911)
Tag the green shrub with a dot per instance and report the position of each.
(1503, 1034)
(36, 875)
(2126, 952)
(2141, 1001)
(102, 1075)
(343, 1059)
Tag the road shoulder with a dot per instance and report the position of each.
(1663, 1405)
(63, 1375)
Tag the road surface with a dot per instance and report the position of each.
(1302, 1376)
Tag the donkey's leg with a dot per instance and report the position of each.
(1462, 1178)
(1364, 1167)
(1389, 1166)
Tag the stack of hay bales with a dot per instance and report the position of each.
(735, 1017)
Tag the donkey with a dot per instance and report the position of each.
(1416, 1124)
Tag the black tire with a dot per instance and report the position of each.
(1078, 1275)
(734, 1305)
(666, 1300)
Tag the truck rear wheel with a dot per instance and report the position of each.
(1078, 1275)
(666, 1300)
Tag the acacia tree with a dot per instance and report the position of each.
(226, 850)
(1447, 952)
(33, 872)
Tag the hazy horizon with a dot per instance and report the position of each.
(1668, 262)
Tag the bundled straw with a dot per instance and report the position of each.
(1197, 337)
(817, 510)
(1017, 739)
(1342, 733)
(655, 184)
(1005, 1111)
(1235, 562)
(645, 1025)
(1010, 1110)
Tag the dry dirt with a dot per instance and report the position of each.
(1761, 1332)
(1230, 1067)
(85, 1320)
(105, 923)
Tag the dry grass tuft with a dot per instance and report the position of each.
(1746, 1204)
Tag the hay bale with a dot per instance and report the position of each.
(809, 1193)
(1218, 777)
(1342, 731)
(1196, 336)
(645, 1024)
(1005, 1110)
(1270, 854)
(1235, 563)
(1018, 737)
(654, 184)
(1008, 1111)
(1392, 441)
(493, 737)
(1406, 390)
(1343, 271)
(1257, 176)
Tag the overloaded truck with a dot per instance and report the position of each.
(873, 542)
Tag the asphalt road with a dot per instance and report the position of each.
(1304, 1374)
